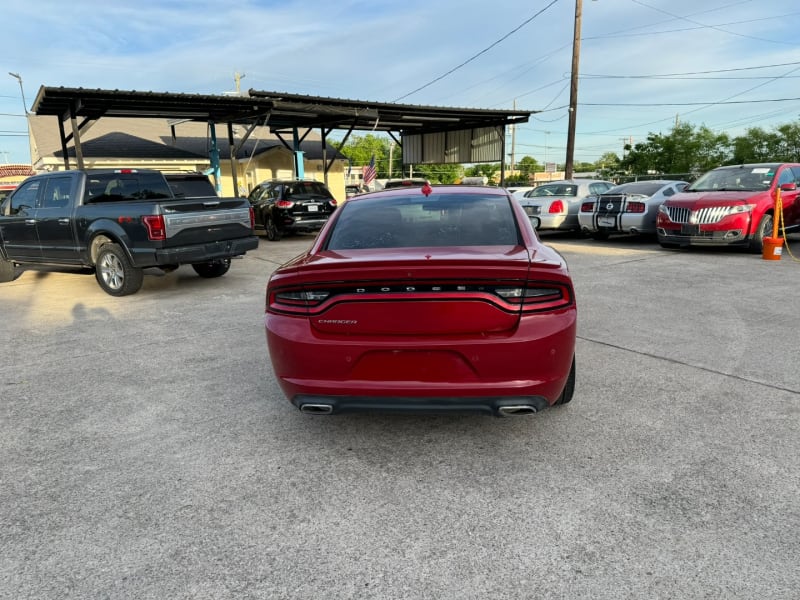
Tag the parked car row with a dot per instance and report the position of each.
(731, 205)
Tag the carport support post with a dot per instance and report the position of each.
(234, 174)
(299, 168)
(76, 137)
(63, 143)
(214, 156)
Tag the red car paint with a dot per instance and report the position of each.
(709, 216)
(417, 327)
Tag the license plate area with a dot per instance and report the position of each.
(689, 229)
(312, 207)
(605, 222)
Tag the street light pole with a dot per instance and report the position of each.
(21, 90)
(573, 92)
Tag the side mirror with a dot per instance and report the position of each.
(535, 222)
(788, 187)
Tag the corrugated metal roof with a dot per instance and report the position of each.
(285, 110)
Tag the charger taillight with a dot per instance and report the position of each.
(557, 206)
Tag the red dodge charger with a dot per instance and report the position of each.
(426, 299)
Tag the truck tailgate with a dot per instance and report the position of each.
(202, 220)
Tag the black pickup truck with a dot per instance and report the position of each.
(116, 223)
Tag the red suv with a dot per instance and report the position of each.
(731, 206)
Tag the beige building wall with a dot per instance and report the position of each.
(275, 163)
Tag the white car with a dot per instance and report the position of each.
(555, 205)
(519, 191)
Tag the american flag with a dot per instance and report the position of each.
(369, 171)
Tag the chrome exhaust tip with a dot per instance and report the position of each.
(516, 409)
(316, 409)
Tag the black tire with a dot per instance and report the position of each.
(6, 270)
(214, 268)
(272, 232)
(763, 230)
(569, 387)
(600, 236)
(115, 273)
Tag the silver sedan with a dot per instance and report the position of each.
(555, 205)
(627, 208)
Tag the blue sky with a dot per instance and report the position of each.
(733, 59)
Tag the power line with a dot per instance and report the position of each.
(750, 37)
(788, 64)
(689, 103)
(684, 29)
(484, 51)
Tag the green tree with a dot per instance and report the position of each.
(489, 170)
(684, 150)
(758, 145)
(360, 149)
(527, 166)
(439, 173)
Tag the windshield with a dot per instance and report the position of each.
(753, 179)
(414, 221)
(643, 188)
(559, 189)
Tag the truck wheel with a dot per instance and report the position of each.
(569, 387)
(115, 273)
(214, 268)
(273, 235)
(763, 230)
(6, 270)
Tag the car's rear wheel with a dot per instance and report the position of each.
(763, 230)
(273, 234)
(569, 387)
(115, 273)
(214, 268)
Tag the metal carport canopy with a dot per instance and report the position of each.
(280, 111)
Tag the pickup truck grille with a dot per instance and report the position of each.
(703, 216)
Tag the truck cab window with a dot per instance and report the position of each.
(25, 198)
(56, 192)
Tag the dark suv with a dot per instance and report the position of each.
(283, 207)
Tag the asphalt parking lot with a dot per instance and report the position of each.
(147, 451)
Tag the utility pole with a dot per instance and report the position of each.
(237, 78)
(513, 140)
(573, 91)
(21, 91)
